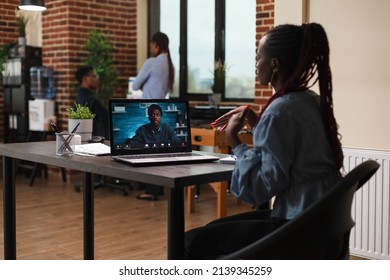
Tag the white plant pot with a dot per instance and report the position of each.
(84, 129)
(214, 99)
(22, 41)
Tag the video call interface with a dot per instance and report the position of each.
(132, 129)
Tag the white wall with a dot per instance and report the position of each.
(33, 28)
(288, 11)
(360, 46)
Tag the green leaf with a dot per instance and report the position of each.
(99, 58)
(80, 112)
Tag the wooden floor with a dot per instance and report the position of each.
(49, 221)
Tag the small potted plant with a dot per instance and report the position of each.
(81, 113)
(218, 82)
(21, 21)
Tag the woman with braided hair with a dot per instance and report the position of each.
(297, 153)
(156, 75)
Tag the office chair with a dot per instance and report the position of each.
(321, 231)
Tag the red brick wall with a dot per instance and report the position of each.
(264, 22)
(8, 30)
(65, 26)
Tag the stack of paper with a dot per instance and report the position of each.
(230, 159)
(96, 149)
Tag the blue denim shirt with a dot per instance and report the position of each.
(291, 158)
(153, 77)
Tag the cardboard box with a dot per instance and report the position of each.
(41, 113)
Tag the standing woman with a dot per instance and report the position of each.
(297, 153)
(156, 76)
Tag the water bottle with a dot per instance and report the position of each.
(42, 82)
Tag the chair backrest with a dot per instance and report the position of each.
(321, 231)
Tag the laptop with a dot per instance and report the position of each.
(152, 132)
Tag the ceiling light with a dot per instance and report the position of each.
(32, 5)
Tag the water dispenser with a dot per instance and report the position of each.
(42, 82)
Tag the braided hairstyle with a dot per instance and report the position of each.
(162, 41)
(304, 51)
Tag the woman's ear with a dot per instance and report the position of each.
(153, 48)
(274, 64)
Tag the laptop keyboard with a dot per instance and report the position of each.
(161, 155)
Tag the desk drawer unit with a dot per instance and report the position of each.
(208, 137)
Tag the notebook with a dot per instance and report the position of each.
(162, 138)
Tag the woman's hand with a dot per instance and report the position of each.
(243, 112)
(232, 122)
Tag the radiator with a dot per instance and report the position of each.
(371, 206)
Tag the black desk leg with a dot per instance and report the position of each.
(88, 217)
(9, 210)
(176, 224)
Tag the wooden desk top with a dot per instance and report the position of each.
(167, 175)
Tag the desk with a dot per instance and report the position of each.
(173, 177)
(216, 138)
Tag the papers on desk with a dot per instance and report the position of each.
(92, 149)
(210, 107)
(230, 159)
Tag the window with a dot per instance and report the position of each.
(170, 25)
(203, 31)
(200, 45)
(240, 48)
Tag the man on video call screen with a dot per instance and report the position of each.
(154, 132)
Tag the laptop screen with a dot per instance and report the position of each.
(148, 126)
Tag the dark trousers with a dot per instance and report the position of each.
(226, 235)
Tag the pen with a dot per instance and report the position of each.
(57, 130)
(76, 127)
(69, 138)
(245, 113)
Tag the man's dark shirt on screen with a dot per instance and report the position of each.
(146, 134)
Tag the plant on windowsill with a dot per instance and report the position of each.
(219, 76)
(218, 84)
(81, 113)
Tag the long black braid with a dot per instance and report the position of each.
(162, 41)
(304, 51)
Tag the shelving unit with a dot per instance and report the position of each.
(182, 132)
(16, 88)
(16, 83)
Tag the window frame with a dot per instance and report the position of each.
(219, 43)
